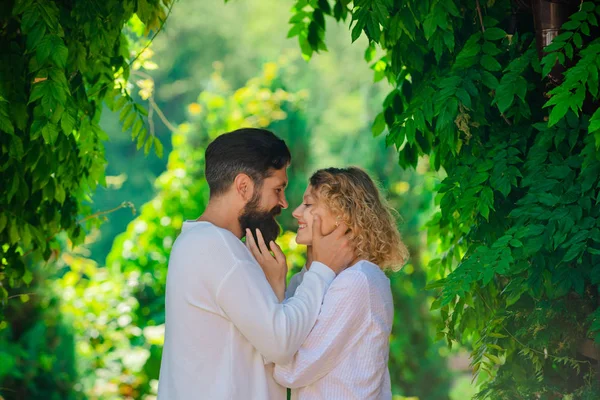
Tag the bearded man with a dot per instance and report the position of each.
(225, 327)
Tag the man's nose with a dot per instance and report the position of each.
(283, 203)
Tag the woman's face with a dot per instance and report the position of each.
(305, 213)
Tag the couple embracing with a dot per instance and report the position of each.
(233, 330)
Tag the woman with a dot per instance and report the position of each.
(346, 354)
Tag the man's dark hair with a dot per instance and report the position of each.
(250, 151)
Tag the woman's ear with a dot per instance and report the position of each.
(244, 186)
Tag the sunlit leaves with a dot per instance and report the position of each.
(571, 93)
(512, 84)
(53, 152)
(52, 47)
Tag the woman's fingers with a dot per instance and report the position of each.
(279, 256)
(261, 243)
(247, 241)
(252, 244)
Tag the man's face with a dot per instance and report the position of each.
(266, 203)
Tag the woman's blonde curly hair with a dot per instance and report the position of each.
(353, 197)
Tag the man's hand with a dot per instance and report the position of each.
(274, 267)
(333, 250)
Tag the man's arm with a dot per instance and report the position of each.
(275, 329)
(295, 281)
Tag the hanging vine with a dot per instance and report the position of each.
(61, 63)
(517, 131)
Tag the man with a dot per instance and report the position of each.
(224, 324)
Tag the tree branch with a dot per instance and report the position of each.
(480, 16)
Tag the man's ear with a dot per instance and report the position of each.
(244, 186)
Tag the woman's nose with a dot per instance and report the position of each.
(297, 212)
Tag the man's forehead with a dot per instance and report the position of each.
(279, 177)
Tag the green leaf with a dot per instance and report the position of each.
(464, 97)
(324, 6)
(125, 111)
(436, 304)
(357, 30)
(516, 243)
(491, 49)
(395, 30)
(484, 210)
(574, 251)
(487, 274)
(493, 358)
(13, 233)
(27, 276)
(16, 147)
(488, 62)
(67, 122)
(587, 6)
(378, 125)
(148, 145)
(558, 112)
(571, 25)
(129, 121)
(548, 63)
(577, 40)
(158, 147)
(137, 127)
(594, 122)
(3, 221)
(319, 18)
(50, 133)
(295, 30)
(6, 124)
(373, 29)
(60, 54)
(52, 46)
(569, 50)
(298, 17)
(35, 36)
(140, 139)
(39, 90)
(380, 12)
(494, 34)
(585, 29)
(59, 193)
(25, 235)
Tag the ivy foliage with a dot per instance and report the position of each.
(61, 63)
(518, 226)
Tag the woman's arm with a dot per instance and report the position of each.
(345, 311)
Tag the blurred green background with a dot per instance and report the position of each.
(97, 331)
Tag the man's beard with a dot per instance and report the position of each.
(252, 217)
